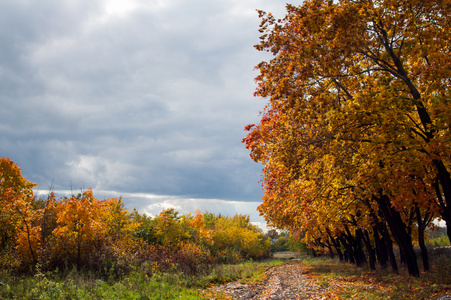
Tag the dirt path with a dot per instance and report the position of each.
(283, 282)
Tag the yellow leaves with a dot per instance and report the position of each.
(85, 232)
(29, 242)
(351, 89)
(170, 229)
(80, 217)
(16, 211)
(118, 220)
(248, 242)
(11, 178)
(198, 223)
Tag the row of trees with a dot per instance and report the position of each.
(102, 236)
(355, 138)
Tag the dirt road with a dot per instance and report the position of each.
(283, 282)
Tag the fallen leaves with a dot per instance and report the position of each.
(306, 280)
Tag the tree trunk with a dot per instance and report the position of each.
(389, 247)
(359, 237)
(399, 231)
(381, 250)
(445, 204)
(445, 214)
(331, 251)
(356, 246)
(421, 227)
(29, 243)
(370, 249)
(352, 246)
(349, 252)
(448, 228)
(336, 244)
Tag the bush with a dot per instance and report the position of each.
(192, 259)
(282, 243)
(442, 241)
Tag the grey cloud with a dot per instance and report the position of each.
(153, 101)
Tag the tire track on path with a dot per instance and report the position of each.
(288, 281)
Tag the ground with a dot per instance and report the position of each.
(289, 280)
(283, 282)
(328, 279)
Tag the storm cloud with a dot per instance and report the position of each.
(144, 99)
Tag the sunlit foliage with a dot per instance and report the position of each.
(355, 137)
(16, 212)
(101, 236)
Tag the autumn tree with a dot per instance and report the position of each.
(171, 229)
(104, 238)
(16, 211)
(79, 226)
(85, 232)
(358, 116)
(119, 221)
(236, 238)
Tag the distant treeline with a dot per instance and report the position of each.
(101, 236)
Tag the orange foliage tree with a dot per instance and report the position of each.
(102, 236)
(16, 211)
(80, 225)
(355, 137)
(89, 233)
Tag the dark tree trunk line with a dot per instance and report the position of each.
(337, 247)
(370, 249)
(381, 250)
(388, 243)
(349, 255)
(422, 223)
(400, 233)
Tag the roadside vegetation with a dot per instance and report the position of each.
(347, 281)
(137, 284)
(80, 247)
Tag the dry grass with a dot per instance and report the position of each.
(350, 282)
(286, 255)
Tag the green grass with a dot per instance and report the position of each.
(79, 286)
(250, 271)
(345, 281)
(137, 285)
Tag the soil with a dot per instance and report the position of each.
(287, 281)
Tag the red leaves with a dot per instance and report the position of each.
(249, 127)
(351, 114)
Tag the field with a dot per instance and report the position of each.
(345, 281)
(137, 285)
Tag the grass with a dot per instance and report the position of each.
(137, 285)
(346, 281)
(247, 272)
(79, 286)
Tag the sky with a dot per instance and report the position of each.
(144, 99)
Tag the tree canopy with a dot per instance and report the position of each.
(355, 137)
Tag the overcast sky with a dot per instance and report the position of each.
(145, 99)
